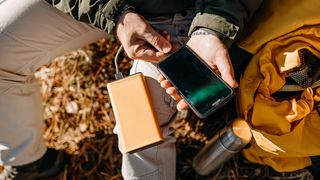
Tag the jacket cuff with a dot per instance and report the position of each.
(125, 7)
(109, 11)
(215, 25)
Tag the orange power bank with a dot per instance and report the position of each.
(134, 113)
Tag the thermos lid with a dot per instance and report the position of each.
(237, 136)
(242, 130)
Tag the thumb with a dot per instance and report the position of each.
(225, 68)
(158, 41)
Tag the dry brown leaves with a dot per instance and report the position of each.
(77, 111)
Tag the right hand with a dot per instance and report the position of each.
(140, 40)
(215, 54)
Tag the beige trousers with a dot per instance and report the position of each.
(32, 33)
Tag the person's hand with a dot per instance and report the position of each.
(140, 40)
(215, 54)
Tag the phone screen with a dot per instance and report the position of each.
(197, 83)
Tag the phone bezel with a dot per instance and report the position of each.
(213, 108)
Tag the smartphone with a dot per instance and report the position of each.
(197, 83)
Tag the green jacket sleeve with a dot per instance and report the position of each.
(225, 18)
(100, 13)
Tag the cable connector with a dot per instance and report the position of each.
(118, 74)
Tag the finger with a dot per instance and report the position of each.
(165, 84)
(157, 41)
(144, 52)
(182, 105)
(161, 78)
(225, 68)
(173, 93)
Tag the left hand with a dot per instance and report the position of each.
(140, 40)
(215, 54)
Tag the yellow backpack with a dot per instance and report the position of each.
(285, 132)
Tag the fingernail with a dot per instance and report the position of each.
(166, 48)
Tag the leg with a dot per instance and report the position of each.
(31, 34)
(158, 162)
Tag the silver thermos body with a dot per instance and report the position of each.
(229, 141)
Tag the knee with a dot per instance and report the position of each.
(12, 83)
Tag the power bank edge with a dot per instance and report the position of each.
(139, 80)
